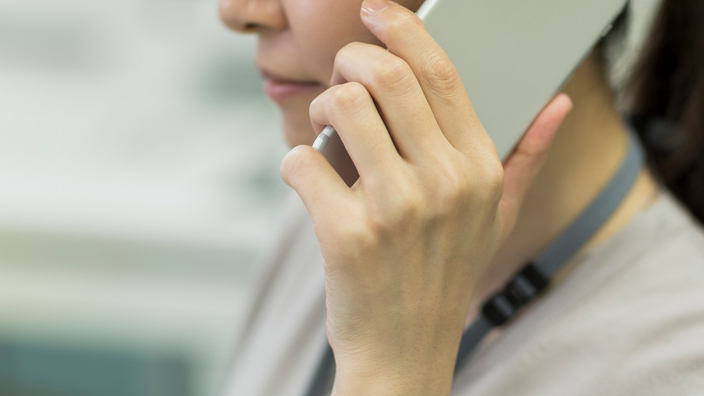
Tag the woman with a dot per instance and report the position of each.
(393, 269)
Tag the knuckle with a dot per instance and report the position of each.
(450, 184)
(348, 96)
(494, 180)
(402, 20)
(392, 72)
(408, 209)
(440, 74)
(403, 208)
(453, 191)
(356, 237)
(346, 53)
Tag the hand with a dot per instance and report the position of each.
(405, 246)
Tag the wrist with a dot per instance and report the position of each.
(412, 379)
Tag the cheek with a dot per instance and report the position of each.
(318, 29)
(296, 121)
(322, 27)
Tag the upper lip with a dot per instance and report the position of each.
(282, 79)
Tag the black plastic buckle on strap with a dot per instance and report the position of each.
(523, 288)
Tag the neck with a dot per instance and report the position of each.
(587, 152)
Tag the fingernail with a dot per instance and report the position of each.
(373, 7)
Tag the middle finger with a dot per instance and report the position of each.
(397, 94)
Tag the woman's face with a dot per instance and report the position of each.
(298, 41)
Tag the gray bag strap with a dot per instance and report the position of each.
(535, 277)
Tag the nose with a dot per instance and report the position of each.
(252, 16)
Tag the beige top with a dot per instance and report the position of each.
(628, 321)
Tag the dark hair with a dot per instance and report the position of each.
(666, 95)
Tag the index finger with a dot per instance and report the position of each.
(405, 36)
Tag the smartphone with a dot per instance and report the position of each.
(513, 56)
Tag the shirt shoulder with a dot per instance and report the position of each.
(630, 320)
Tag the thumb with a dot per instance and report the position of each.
(524, 164)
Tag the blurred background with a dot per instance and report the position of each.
(138, 184)
(138, 172)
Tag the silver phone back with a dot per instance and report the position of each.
(513, 56)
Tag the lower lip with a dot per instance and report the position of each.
(280, 91)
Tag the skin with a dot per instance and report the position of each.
(434, 223)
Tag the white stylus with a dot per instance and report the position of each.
(324, 138)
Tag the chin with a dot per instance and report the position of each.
(297, 129)
(296, 118)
